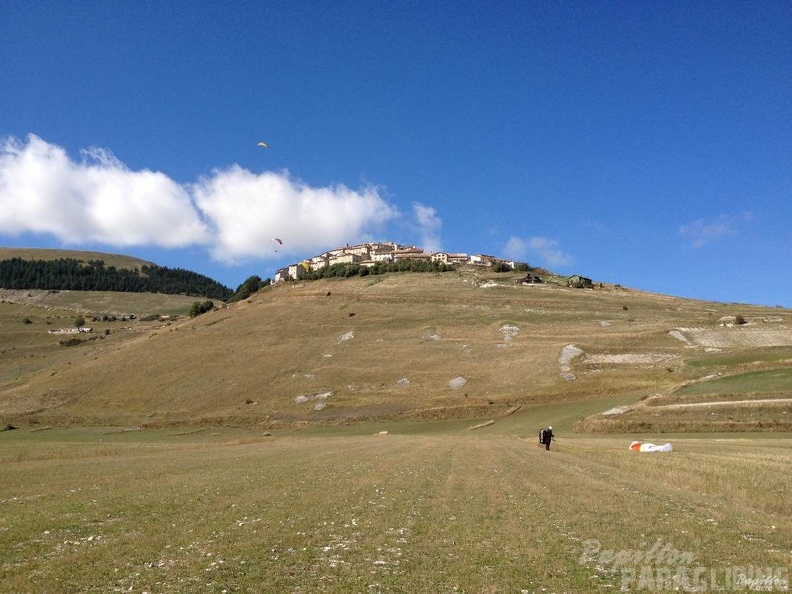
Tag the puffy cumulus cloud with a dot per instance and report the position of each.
(548, 251)
(232, 212)
(702, 231)
(248, 210)
(96, 199)
(429, 225)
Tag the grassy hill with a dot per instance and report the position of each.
(404, 477)
(119, 261)
(60, 270)
(467, 344)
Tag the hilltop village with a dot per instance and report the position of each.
(369, 254)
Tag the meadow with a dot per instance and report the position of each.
(425, 507)
(380, 435)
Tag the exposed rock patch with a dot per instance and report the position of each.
(735, 336)
(508, 332)
(303, 398)
(619, 410)
(629, 359)
(457, 382)
(568, 354)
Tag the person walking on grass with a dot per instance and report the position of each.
(545, 437)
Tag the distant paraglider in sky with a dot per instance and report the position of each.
(264, 144)
(276, 240)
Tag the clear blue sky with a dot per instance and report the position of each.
(646, 144)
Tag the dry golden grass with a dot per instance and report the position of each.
(28, 350)
(434, 511)
(351, 344)
(189, 503)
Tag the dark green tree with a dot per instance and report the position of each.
(246, 289)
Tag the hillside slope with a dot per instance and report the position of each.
(465, 343)
(118, 260)
(89, 271)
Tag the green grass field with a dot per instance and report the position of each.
(766, 382)
(429, 507)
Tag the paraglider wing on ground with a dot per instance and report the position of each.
(637, 446)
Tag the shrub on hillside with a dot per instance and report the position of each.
(250, 286)
(199, 308)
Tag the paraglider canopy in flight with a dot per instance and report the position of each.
(264, 144)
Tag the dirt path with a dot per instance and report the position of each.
(727, 402)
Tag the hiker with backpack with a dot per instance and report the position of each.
(545, 437)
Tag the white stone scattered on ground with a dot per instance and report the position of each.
(303, 398)
(457, 382)
(568, 353)
(509, 332)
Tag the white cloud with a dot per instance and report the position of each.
(94, 200)
(701, 232)
(429, 225)
(233, 213)
(548, 251)
(247, 210)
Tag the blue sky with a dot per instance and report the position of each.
(646, 144)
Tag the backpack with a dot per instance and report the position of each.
(541, 436)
